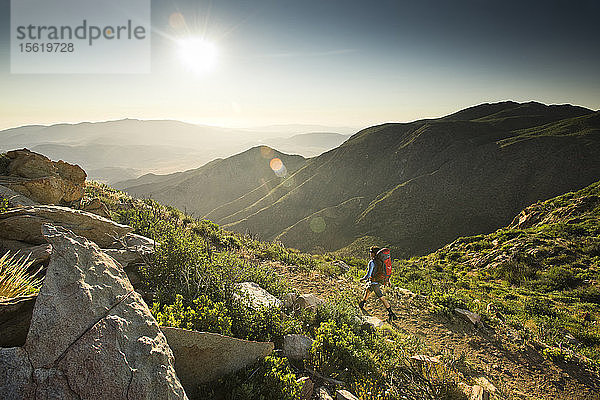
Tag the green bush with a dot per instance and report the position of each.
(270, 379)
(263, 324)
(203, 315)
(338, 351)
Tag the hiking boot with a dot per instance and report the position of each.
(391, 315)
(361, 305)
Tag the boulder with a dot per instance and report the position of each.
(91, 335)
(202, 357)
(24, 224)
(15, 199)
(297, 347)
(15, 319)
(307, 387)
(15, 375)
(256, 296)
(43, 180)
(344, 395)
(309, 301)
(27, 164)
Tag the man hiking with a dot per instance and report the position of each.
(377, 277)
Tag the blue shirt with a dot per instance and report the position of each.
(370, 270)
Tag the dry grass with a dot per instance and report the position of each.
(14, 278)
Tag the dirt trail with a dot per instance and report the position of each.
(517, 371)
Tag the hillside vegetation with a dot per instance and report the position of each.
(539, 276)
(191, 280)
(534, 282)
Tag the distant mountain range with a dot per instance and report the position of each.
(412, 186)
(118, 150)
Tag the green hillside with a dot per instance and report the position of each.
(539, 276)
(417, 186)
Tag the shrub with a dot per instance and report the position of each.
(14, 278)
(271, 378)
(203, 315)
(338, 350)
(264, 324)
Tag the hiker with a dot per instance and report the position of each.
(376, 276)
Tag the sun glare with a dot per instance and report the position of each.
(197, 55)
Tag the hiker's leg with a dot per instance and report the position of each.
(385, 302)
(367, 293)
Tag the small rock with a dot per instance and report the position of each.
(341, 265)
(297, 347)
(371, 322)
(289, 300)
(345, 395)
(307, 388)
(421, 358)
(95, 206)
(471, 316)
(323, 394)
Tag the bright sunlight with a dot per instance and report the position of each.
(197, 55)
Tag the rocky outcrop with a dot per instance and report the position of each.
(257, 297)
(42, 180)
(202, 357)
(91, 335)
(24, 224)
(15, 199)
(15, 318)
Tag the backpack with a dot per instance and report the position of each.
(385, 259)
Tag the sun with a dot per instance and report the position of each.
(197, 54)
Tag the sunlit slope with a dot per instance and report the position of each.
(419, 185)
(219, 182)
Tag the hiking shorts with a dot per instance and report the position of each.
(375, 287)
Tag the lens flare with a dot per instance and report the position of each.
(277, 166)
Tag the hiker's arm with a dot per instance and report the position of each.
(369, 271)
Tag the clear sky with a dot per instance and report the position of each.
(330, 62)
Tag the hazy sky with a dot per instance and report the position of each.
(331, 62)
